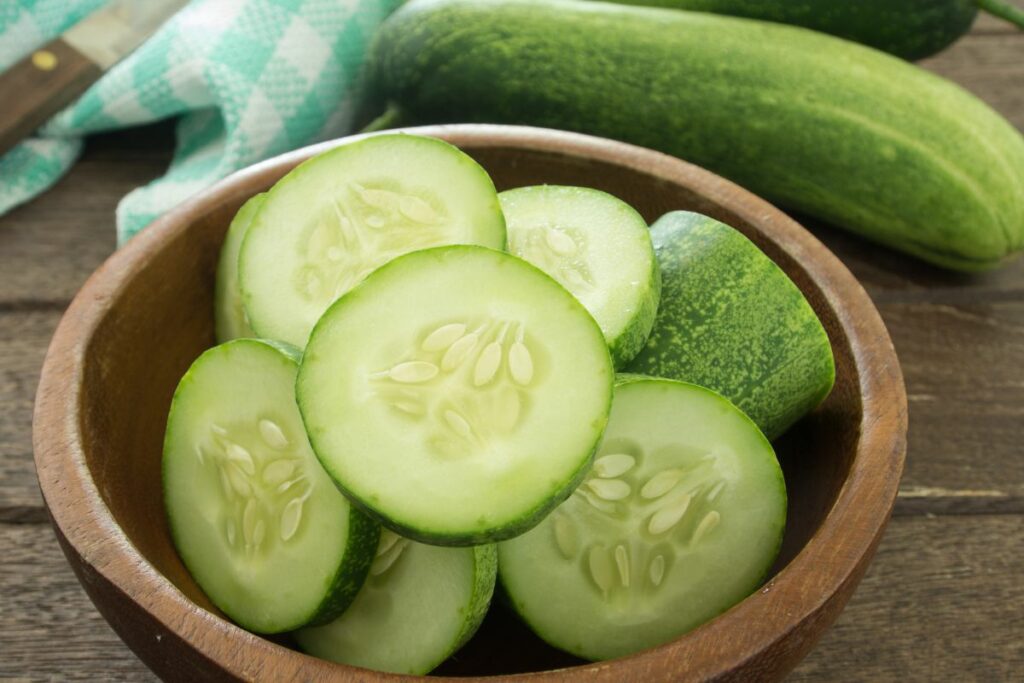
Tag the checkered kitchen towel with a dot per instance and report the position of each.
(248, 78)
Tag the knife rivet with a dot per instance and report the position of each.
(44, 60)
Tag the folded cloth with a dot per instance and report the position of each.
(248, 79)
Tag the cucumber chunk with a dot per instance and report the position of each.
(335, 218)
(458, 394)
(731, 320)
(256, 520)
(680, 518)
(419, 605)
(228, 313)
(596, 246)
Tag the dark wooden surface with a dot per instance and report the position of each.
(944, 599)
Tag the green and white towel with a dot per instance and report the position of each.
(248, 79)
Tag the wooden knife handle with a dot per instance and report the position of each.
(39, 86)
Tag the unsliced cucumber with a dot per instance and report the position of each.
(228, 312)
(596, 246)
(911, 29)
(730, 319)
(821, 125)
(680, 518)
(335, 218)
(420, 604)
(256, 520)
(458, 394)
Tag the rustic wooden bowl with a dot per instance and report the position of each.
(146, 314)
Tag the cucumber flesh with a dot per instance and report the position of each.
(228, 313)
(419, 604)
(335, 218)
(458, 394)
(680, 518)
(256, 520)
(596, 246)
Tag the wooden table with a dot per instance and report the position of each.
(944, 598)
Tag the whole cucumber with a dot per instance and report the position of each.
(821, 125)
(911, 29)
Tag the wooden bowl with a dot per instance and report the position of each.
(146, 314)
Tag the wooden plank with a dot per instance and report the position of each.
(941, 601)
(24, 336)
(965, 387)
(51, 631)
(890, 275)
(49, 246)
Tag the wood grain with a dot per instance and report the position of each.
(50, 246)
(23, 339)
(966, 430)
(940, 602)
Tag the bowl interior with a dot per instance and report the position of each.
(162, 320)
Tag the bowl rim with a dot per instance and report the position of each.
(864, 503)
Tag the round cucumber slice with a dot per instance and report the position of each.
(458, 394)
(680, 518)
(335, 218)
(256, 520)
(596, 246)
(228, 313)
(419, 605)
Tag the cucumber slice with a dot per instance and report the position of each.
(228, 313)
(419, 605)
(596, 246)
(335, 218)
(731, 320)
(256, 520)
(680, 518)
(458, 394)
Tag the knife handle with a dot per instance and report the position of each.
(39, 86)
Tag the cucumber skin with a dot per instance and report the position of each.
(485, 559)
(730, 320)
(231, 323)
(625, 347)
(911, 29)
(862, 140)
(363, 532)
